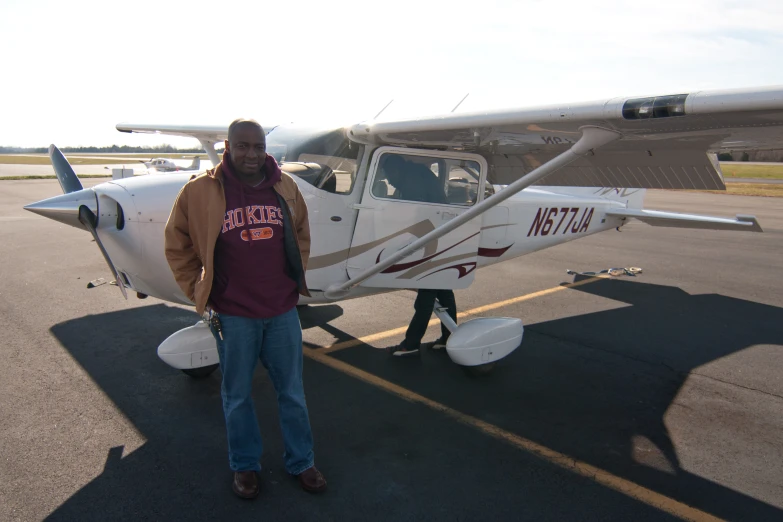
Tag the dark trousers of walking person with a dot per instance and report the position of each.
(424, 306)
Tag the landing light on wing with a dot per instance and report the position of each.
(655, 107)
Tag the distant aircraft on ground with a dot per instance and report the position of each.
(166, 165)
(513, 182)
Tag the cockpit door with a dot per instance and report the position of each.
(409, 193)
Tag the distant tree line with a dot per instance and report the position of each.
(756, 155)
(125, 149)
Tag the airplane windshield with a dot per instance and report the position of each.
(325, 159)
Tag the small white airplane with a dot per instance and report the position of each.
(166, 165)
(515, 182)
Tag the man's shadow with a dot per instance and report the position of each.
(180, 472)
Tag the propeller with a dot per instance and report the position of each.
(89, 220)
(74, 207)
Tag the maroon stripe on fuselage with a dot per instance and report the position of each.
(493, 252)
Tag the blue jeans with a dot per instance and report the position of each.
(277, 342)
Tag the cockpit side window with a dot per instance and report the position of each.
(426, 179)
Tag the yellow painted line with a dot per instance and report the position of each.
(369, 339)
(619, 484)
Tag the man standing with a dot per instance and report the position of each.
(415, 182)
(238, 241)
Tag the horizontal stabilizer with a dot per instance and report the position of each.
(658, 218)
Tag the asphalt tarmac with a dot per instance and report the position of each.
(653, 397)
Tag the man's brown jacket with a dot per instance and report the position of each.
(197, 219)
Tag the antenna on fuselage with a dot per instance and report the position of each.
(384, 108)
(460, 102)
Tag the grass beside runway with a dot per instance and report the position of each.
(13, 159)
(737, 189)
(17, 178)
(730, 171)
(738, 170)
(751, 189)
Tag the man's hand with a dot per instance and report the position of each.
(178, 246)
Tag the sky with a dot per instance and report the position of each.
(73, 70)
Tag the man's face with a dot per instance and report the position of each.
(247, 149)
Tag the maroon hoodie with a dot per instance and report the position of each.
(251, 273)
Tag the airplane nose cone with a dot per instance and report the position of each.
(65, 208)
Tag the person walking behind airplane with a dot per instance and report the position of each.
(415, 182)
(237, 242)
(423, 308)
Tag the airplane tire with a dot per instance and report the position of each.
(202, 372)
(480, 370)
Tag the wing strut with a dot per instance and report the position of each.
(209, 147)
(592, 138)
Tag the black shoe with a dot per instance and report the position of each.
(401, 350)
(440, 344)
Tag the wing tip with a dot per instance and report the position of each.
(754, 223)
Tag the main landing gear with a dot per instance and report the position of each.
(192, 350)
(478, 344)
(475, 345)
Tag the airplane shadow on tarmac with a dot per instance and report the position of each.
(584, 386)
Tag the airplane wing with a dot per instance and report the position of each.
(207, 135)
(211, 133)
(668, 142)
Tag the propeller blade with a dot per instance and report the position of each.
(88, 219)
(65, 174)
